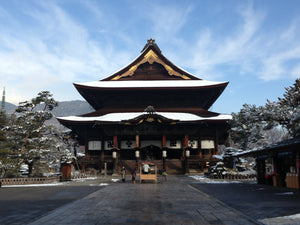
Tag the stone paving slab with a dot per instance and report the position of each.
(172, 202)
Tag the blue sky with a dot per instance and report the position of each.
(48, 45)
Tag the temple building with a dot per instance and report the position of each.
(150, 110)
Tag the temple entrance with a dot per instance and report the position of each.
(150, 153)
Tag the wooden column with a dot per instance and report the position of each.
(298, 163)
(186, 140)
(216, 143)
(86, 156)
(137, 141)
(115, 141)
(164, 140)
(185, 144)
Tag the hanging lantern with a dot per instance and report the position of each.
(137, 154)
(114, 155)
(187, 153)
(164, 154)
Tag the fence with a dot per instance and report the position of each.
(234, 176)
(27, 180)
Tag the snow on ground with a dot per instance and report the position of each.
(84, 179)
(33, 185)
(203, 179)
(283, 220)
(115, 180)
(101, 184)
(285, 193)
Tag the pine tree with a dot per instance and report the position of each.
(250, 126)
(8, 158)
(27, 132)
(286, 111)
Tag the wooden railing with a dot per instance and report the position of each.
(234, 176)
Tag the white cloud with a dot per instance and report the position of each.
(57, 50)
(167, 20)
(248, 48)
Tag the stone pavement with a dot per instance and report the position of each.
(172, 202)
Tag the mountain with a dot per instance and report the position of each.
(72, 108)
(64, 108)
(9, 108)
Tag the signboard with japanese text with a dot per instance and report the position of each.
(94, 145)
(207, 144)
(108, 145)
(193, 144)
(173, 144)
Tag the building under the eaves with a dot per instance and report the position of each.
(151, 110)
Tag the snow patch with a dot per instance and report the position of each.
(288, 220)
(33, 185)
(285, 193)
(206, 180)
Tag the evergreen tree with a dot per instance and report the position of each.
(28, 131)
(8, 158)
(286, 111)
(247, 127)
(252, 124)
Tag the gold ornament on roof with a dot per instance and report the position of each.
(151, 57)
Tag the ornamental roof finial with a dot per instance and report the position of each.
(150, 109)
(151, 42)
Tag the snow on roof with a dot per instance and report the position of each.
(292, 141)
(150, 83)
(117, 117)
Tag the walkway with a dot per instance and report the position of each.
(173, 202)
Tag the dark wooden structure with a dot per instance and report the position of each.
(278, 164)
(150, 110)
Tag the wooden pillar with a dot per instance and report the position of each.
(186, 140)
(137, 141)
(86, 156)
(216, 143)
(115, 142)
(275, 169)
(298, 163)
(185, 144)
(164, 140)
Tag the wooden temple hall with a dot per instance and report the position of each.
(150, 110)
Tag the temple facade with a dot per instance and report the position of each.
(150, 110)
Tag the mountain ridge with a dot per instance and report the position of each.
(64, 108)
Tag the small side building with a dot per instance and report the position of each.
(278, 164)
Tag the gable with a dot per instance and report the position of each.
(139, 70)
(149, 71)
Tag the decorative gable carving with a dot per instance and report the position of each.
(150, 57)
